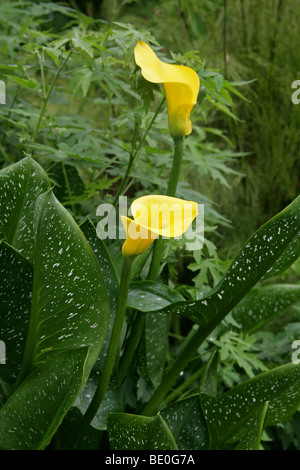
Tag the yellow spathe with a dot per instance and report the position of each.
(181, 86)
(138, 239)
(153, 216)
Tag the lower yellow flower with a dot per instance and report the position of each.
(153, 216)
(181, 86)
(139, 238)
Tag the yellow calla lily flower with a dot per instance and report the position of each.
(153, 216)
(181, 86)
(139, 238)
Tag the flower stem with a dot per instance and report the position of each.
(155, 264)
(169, 379)
(47, 96)
(176, 166)
(135, 153)
(113, 344)
(171, 191)
(178, 392)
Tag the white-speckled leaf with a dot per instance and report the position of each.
(226, 415)
(132, 432)
(255, 258)
(250, 436)
(151, 296)
(187, 423)
(112, 401)
(288, 257)
(23, 183)
(32, 414)
(262, 304)
(70, 307)
(15, 301)
(153, 347)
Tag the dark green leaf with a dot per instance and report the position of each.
(133, 432)
(153, 347)
(228, 414)
(252, 431)
(112, 401)
(15, 302)
(256, 257)
(69, 306)
(262, 304)
(25, 181)
(150, 296)
(69, 299)
(30, 417)
(187, 423)
(288, 257)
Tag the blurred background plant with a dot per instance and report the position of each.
(77, 103)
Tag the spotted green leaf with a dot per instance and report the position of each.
(229, 414)
(187, 423)
(16, 275)
(23, 183)
(69, 298)
(112, 401)
(32, 414)
(153, 347)
(150, 296)
(132, 432)
(69, 301)
(256, 257)
(288, 257)
(250, 436)
(262, 304)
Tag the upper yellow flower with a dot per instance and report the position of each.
(153, 216)
(181, 86)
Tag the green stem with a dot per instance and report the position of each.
(155, 263)
(176, 166)
(184, 386)
(42, 75)
(135, 153)
(113, 344)
(171, 376)
(158, 251)
(46, 98)
(225, 42)
(171, 191)
(68, 187)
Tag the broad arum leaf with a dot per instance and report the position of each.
(23, 183)
(257, 256)
(262, 304)
(187, 423)
(133, 432)
(229, 413)
(69, 300)
(32, 414)
(16, 275)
